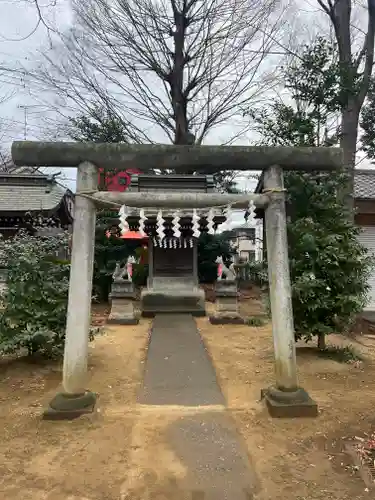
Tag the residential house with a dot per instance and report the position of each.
(364, 195)
(27, 192)
(246, 241)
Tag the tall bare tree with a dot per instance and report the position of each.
(40, 19)
(355, 73)
(179, 67)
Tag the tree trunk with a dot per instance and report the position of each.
(350, 118)
(321, 342)
(177, 81)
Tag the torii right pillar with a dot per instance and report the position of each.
(286, 398)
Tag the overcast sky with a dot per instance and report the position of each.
(21, 40)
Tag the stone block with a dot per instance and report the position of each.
(228, 304)
(289, 404)
(122, 289)
(227, 310)
(226, 288)
(176, 301)
(122, 312)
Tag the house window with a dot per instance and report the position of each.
(247, 255)
(248, 235)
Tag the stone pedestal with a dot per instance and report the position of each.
(227, 311)
(122, 299)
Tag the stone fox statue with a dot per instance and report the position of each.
(229, 273)
(125, 272)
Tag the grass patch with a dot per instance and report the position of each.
(256, 321)
(346, 354)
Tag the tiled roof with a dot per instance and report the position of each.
(23, 193)
(10, 168)
(364, 184)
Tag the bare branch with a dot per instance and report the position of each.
(40, 21)
(355, 74)
(169, 67)
(368, 50)
(326, 6)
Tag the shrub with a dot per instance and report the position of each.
(140, 274)
(256, 272)
(36, 297)
(209, 248)
(256, 321)
(329, 267)
(346, 354)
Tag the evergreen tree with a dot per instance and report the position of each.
(368, 123)
(329, 267)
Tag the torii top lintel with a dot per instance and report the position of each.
(203, 159)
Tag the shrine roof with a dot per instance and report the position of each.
(27, 189)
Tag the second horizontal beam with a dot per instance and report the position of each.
(179, 200)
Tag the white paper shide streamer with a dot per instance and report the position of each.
(160, 225)
(123, 215)
(195, 220)
(228, 215)
(142, 220)
(210, 222)
(176, 224)
(251, 220)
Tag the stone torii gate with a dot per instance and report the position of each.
(285, 398)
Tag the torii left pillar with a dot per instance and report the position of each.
(75, 399)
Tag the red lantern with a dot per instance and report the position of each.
(133, 235)
(112, 181)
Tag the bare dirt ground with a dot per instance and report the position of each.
(296, 459)
(120, 452)
(80, 460)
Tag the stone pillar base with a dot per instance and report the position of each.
(70, 406)
(285, 404)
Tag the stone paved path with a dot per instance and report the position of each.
(179, 372)
(178, 368)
